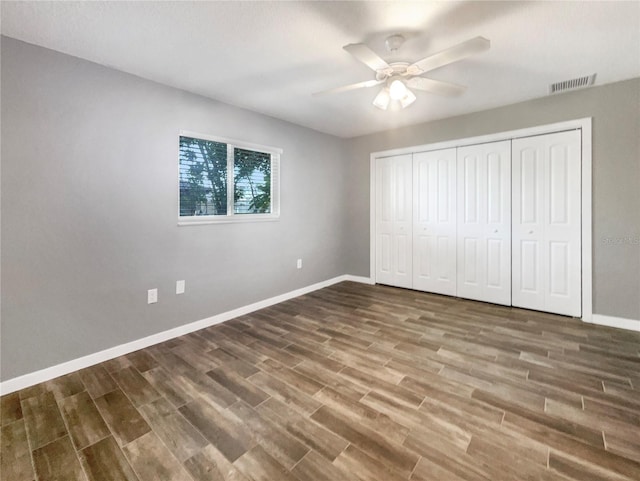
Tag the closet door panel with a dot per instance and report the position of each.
(470, 229)
(384, 220)
(394, 221)
(468, 272)
(403, 239)
(484, 219)
(528, 272)
(497, 230)
(564, 239)
(498, 266)
(529, 283)
(384, 258)
(547, 223)
(434, 226)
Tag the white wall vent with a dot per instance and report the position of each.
(576, 83)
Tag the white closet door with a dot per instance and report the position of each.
(393, 221)
(434, 221)
(546, 218)
(484, 222)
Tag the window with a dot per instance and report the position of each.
(228, 181)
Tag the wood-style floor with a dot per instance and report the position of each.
(352, 382)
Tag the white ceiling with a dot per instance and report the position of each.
(271, 56)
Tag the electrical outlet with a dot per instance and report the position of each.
(180, 287)
(152, 296)
(299, 264)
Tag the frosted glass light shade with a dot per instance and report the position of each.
(382, 99)
(408, 99)
(397, 90)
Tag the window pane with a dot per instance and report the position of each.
(252, 182)
(203, 177)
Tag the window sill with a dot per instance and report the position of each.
(235, 219)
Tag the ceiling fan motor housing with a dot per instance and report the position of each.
(394, 69)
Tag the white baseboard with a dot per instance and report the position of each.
(619, 322)
(361, 279)
(26, 380)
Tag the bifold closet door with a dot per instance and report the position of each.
(484, 222)
(393, 221)
(546, 218)
(434, 221)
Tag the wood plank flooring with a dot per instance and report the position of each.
(351, 382)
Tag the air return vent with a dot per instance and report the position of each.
(576, 83)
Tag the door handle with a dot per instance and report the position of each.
(530, 232)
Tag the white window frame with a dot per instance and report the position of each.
(232, 217)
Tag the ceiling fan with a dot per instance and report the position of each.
(398, 77)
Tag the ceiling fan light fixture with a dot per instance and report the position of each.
(382, 99)
(408, 99)
(397, 89)
(398, 77)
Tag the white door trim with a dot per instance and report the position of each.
(583, 124)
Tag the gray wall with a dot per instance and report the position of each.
(89, 204)
(615, 109)
(89, 210)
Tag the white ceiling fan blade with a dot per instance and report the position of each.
(436, 86)
(450, 55)
(366, 56)
(346, 88)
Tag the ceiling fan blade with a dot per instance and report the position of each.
(436, 86)
(450, 55)
(366, 56)
(346, 88)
